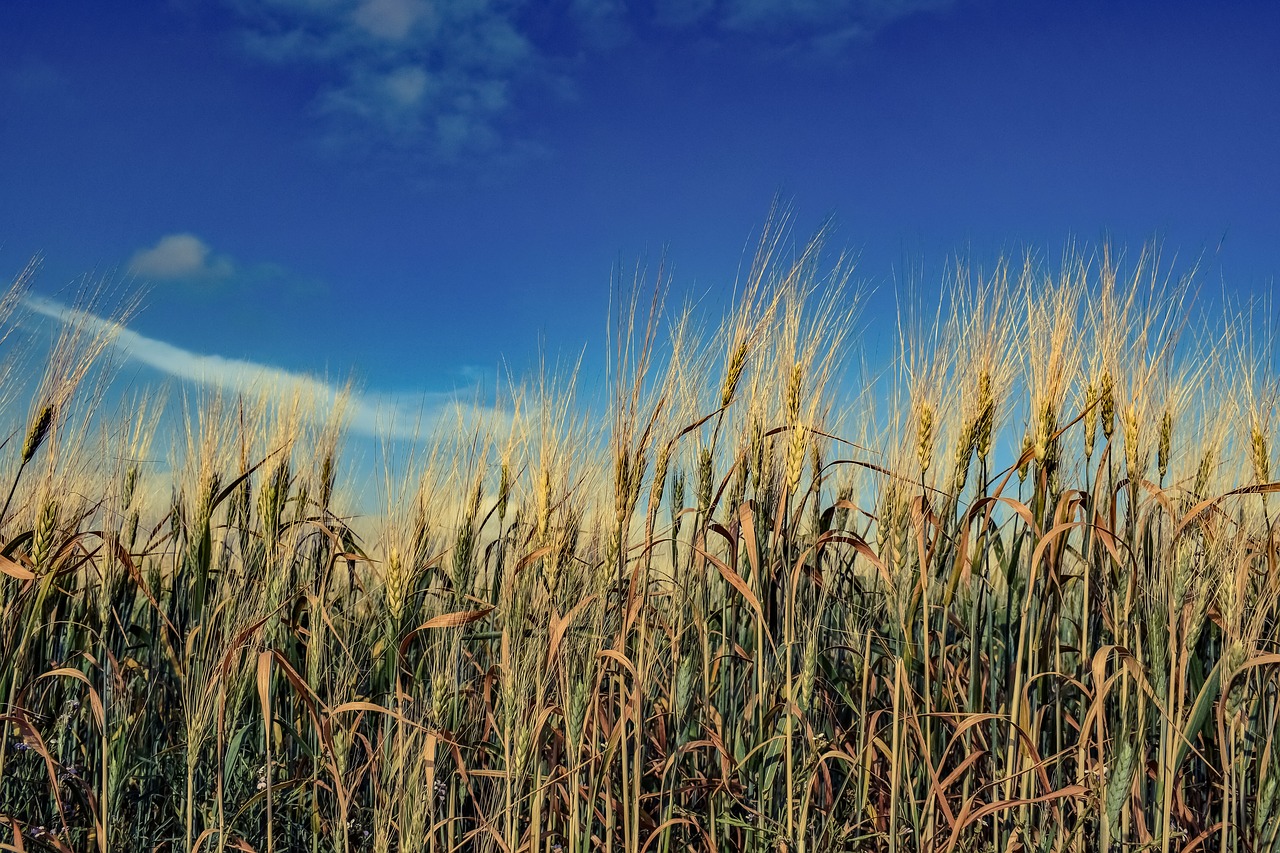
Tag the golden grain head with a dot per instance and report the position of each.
(1107, 401)
(924, 436)
(733, 371)
(1165, 444)
(1260, 453)
(984, 422)
(37, 432)
(795, 457)
(791, 399)
(1090, 418)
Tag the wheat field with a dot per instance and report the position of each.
(1016, 589)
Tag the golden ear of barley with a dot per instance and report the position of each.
(37, 433)
(566, 549)
(755, 453)
(1203, 471)
(792, 399)
(635, 476)
(795, 457)
(208, 494)
(1131, 438)
(473, 506)
(524, 740)
(271, 501)
(130, 484)
(924, 437)
(704, 481)
(1107, 402)
(1261, 454)
(844, 495)
(1199, 611)
(1028, 443)
(43, 538)
(300, 501)
(396, 587)
(131, 529)
(815, 464)
(421, 534)
(984, 422)
(1232, 661)
(177, 518)
(504, 490)
(327, 477)
(659, 477)
(1234, 658)
(737, 493)
(892, 518)
(1165, 444)
(463, 549)
(733, 372)
(1090, 418)
(677, 498)
(964, 452)
(1046, 426)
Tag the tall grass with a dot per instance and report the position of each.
(1018, 592)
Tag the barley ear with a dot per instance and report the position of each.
(1107, 398)
(733, 372)
(38, 432)
(1165, 445)
(1090, 419)
(924, 437)
(984, 423)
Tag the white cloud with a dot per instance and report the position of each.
(407, 85)
(181, 257)
(432, 77)
(440, 77)
(390, 19)
(404, 416)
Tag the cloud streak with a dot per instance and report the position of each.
(181, 257)
(385, 415)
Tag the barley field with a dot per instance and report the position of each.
(1014, 589)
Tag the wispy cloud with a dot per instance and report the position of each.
(429, 76)
(812, 29)
(445, 78)
(181, 257)
(819, 16)
(402, 416)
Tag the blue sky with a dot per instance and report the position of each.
(415, 189)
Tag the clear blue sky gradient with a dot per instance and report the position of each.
(412, 190)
